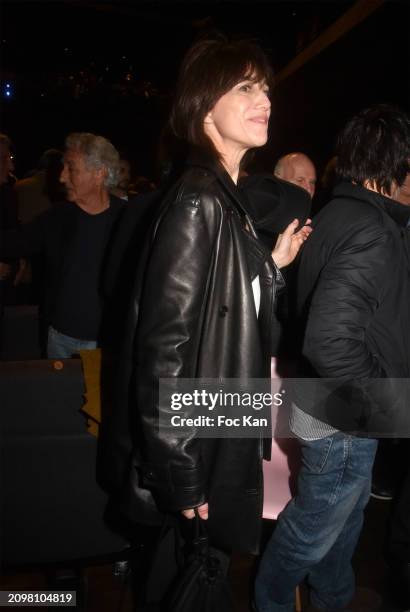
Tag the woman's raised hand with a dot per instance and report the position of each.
(288, 244)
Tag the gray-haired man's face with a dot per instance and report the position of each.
(81, 182)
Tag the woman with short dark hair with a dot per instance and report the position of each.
(205, 302)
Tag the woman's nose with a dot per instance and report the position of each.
(263, 100)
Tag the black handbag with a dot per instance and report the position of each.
(201, 584)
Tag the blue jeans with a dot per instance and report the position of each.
(317, 532)
(60, 346)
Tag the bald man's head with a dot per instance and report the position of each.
(298, 169)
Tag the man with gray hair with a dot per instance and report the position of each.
(73, 237)
(298, 169)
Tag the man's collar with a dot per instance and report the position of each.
(398, 212)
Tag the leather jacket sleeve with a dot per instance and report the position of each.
(168, 339)
(344, 300)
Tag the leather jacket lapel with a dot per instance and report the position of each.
(227, 183)
(258, 253)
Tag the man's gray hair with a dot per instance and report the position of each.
(98, 153)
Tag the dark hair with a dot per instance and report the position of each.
(375, 146)
(209, 70)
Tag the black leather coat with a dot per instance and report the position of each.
(194, 316)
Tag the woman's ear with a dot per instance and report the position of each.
(208, 118)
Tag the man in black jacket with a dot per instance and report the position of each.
(73, 237)
(354, 295)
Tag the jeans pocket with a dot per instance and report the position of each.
(315, 453)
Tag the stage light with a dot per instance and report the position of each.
(7, 90)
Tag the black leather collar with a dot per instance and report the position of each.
(258, 253)
(202, 160)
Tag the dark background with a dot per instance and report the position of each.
(110, 68)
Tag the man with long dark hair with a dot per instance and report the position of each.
(354, 293)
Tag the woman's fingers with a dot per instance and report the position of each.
(290, 228)
(202, 511)
(306, 230)
(289, 243)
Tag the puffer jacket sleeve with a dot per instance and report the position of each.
(347, 294)
(168, 339)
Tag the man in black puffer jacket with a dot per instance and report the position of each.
(353, 296)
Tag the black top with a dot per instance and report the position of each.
(78, 307)
(74, 245)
